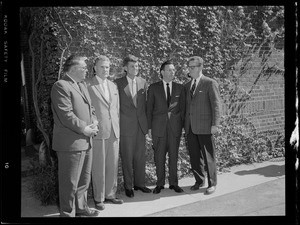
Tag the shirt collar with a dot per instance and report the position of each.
(130, 80)
(165, 83)
(198, 79)
(101, 80)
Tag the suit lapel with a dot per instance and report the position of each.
(85, 93)
(99, 89)
(73, 84)
(127, 91)
(173, 94)
(189, 91)
(162, 93)
(110, 90)
(80, 91)
(198, 88)
(138, 87)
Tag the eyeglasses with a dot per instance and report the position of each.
(193, 67)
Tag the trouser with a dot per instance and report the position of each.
(105, 167)
(133, 157)
(169, 143)
(74, 175)
(202, 152)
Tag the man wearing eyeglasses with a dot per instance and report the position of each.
(75, 124)
(203, 111)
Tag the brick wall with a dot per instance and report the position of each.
(265, 108)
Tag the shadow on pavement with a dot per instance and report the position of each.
(268, 171)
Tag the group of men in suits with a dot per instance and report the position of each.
(97, 119)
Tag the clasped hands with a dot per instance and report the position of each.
(91, 130)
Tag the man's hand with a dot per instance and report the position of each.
(91, 130)
(214, 129)
(95, 124)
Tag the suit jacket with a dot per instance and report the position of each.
(107, 111)
(72, 112)
(204, 109)
(129, 114)
(158, 112)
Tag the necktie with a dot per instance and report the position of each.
(78, 84)
(105, 90)
(133, 91)
(168, 95)
(193, 89)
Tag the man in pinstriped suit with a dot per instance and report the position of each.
(203, 111)
(75, 124)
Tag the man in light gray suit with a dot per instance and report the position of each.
(74, 126)
(105, 99)
(203, 111)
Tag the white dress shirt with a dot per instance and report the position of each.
(197, 82)
(165, 88)
(132, 86)
(104, 86)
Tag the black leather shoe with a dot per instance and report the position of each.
(157, 189)
(143, 189)
(196, 186)
(88, 213)
(99, 205)
(114, 200)
(176, 188)
(129, 193)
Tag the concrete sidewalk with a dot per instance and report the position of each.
(254, 189)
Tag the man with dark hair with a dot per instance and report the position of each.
(165, 114)
(133, 126)
(203, 112)
(105, 99)
(75, 124)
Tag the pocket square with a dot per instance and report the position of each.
(200, 91)
(177, 96)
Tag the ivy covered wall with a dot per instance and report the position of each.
(242, 47)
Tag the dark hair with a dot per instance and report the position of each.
(72, 60)
(196, 58)
(162, 67)
(129, 58)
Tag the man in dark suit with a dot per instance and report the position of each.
(203, 111)
(75, 124)
(165, 114)
(105, 98)
(133, 126)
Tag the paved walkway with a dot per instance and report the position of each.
(246, 190)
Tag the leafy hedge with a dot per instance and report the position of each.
(237, 142)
